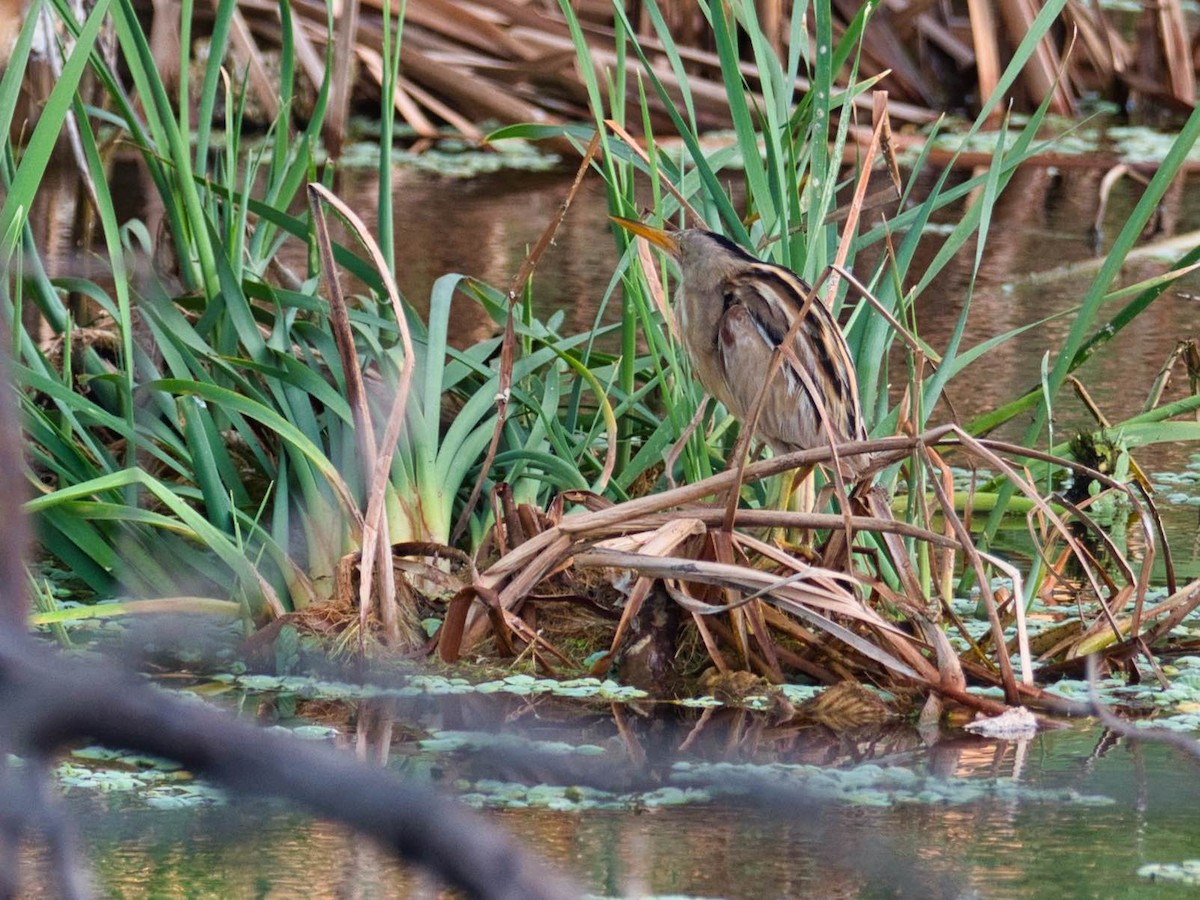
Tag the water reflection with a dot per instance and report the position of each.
(776, 843)
(484, 227)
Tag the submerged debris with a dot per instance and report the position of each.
(846, 706)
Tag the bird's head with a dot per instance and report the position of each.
(702, 255)
(668, 240)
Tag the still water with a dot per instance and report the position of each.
(1068, 814)
(1144, 800)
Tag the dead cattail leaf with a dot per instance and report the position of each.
(985, 37)
(377, 457)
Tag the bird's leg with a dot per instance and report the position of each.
(678, 448)
(795, 492)
(737, 460)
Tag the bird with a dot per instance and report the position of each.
(734, 311)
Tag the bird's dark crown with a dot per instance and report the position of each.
(727, 244)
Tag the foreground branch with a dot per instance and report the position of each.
(47, 702)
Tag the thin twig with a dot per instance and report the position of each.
(508, 346)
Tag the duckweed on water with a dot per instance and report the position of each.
(314, 732)
(700, 702)
(1131, 144)
(138, 761)
(492, 794)
(150, 780)
(866, 785)
(102, 781)
(434, 685)
(452, 741)
(142, 779)
(183, 796)
(1183, 722)
(163, 784)
(455, 159)
(1184, 690)
(1179, 488)
(519, 685)
(869, 785)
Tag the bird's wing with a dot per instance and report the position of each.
(761, 304)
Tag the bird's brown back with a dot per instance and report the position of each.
(735, 310)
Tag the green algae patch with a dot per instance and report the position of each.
(455, 158)
(137, 778)
(1130, 143)
(135, 761)
(436, 685)
(456, 741)
(495, 794)
(699, 783)
(183, 796)
(1179, 488)
(868, 785)
(314, 732)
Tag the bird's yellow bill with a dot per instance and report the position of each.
(656, 236)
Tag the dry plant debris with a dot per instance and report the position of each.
(510, 62)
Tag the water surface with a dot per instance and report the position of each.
(995, 847)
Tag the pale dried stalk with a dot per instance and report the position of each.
(376, 539)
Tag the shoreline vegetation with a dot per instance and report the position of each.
(213, 430)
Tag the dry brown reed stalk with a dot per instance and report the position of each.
(249, 58)
(1180, 74)
(657, 543)
(985, 38)
(344, 52)
(816, 598)
(508, 345)
(1042, 76)
(977, 563)
(1117, 634)
(514, 61)
(1186, 356)
(376, 455)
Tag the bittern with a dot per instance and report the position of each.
(734, 311)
